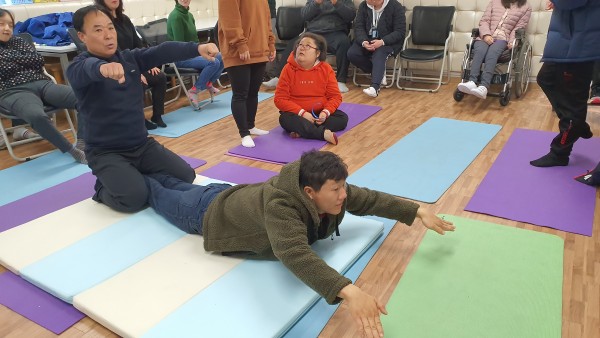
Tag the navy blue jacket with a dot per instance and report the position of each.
(574, 32)
(113, 113)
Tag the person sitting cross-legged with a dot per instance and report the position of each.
(307, 93)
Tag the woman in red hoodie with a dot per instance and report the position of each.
(307, 93)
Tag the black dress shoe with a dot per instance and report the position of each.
(159, 121)
(150, 125)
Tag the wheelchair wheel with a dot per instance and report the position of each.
(523, 71)
(458, 95)
(504, 98)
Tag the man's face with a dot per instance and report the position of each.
(99, 34)
(330, 198)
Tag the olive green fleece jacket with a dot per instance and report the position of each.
(181, 25)
(277, 218)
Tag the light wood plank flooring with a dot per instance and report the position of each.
(402, 112)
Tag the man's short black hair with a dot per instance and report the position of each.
(316, 167)
(79, 16)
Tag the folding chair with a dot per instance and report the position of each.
(50, 111)
(431, 26)
(215, 38)
(155, 33)
(289, 25)
(390, 78)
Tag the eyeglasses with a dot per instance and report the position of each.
(303, 46)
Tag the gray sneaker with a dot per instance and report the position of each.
(271, 83)
(2, 142)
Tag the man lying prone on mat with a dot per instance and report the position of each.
(283, 217)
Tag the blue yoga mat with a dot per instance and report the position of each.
(425, 163)
(263, 298)
(186, 119)
(315, 319)
(101, 255)
(36, 175)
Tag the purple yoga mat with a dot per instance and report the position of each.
(55, 198)
(237, 173)
(19, 295)
(549, 197)
(37, 305)
(278, 147)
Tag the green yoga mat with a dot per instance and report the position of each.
(483, 280)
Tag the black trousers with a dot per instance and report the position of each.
(596, 79)
(119, 173)
(245, 83)
(371, 62)
(567, 87)
(158, 87)
(293, 123)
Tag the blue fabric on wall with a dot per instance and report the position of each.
(48, 29)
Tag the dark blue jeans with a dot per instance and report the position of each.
(179, 202)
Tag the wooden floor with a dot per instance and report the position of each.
(402, 112)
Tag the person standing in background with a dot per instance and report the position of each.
(569, 55)
(247, 43)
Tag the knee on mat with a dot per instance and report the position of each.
(132, 202)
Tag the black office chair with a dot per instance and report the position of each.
(431, 26)
(50, 111)
(289, 25)
(75, 38)
(155, 33)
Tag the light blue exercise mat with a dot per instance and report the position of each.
(38, 174)
(263, 298)
(186, 119)
(102, 255)
(425, 163)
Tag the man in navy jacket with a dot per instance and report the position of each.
(569, 55)
(109, 95)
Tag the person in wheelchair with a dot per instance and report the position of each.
(497, 29)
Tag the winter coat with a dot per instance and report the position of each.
(517, 17)
(574, 32)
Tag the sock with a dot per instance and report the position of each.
(78, 155)
(256, 131)
(248, 142)
(80, 144)
(550, 160)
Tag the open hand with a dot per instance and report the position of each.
(364, 309)
(432, 222)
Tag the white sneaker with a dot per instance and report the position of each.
(256, 131)
(23, 133)
(248, 142)
(371, 92)
(342, 87)
(384, 80)
(467, 87)
(271, 83)
(480, 92)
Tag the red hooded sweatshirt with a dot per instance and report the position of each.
(312, 89)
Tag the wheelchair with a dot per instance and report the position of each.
(513, 68)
